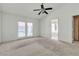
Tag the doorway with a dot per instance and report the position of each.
(76, 28)
(54, 29)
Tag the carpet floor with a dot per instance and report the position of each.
(38, 47)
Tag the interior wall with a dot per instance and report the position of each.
(64, 16)
(0, 27)
(9, 24)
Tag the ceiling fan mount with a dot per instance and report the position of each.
(42, 10)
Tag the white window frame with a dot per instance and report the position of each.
(20, 34)
(29, 35)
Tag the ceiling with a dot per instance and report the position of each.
(26, 9)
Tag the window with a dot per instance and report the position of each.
(29, 29)
(21, 29)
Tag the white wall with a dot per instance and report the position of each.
(0, 27)
(64, 16)
(9, 24)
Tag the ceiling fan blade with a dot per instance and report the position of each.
(39, 13)
(45, 12)
(42, 6)
(48, 8)
(36, 9)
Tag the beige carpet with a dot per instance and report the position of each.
(38, 47)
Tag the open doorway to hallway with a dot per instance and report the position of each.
(54, 29)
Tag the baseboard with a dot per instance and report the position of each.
(65, 42)
(58, 40)
(19, 39)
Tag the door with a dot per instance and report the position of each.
(76, 28)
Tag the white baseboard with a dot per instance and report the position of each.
(20, 39)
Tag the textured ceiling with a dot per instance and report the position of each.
(26, 9)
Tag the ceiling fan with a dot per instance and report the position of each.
(42, 10)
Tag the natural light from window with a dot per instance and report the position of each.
(29, 29)
(21, 29)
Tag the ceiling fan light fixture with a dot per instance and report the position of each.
(42, 10)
